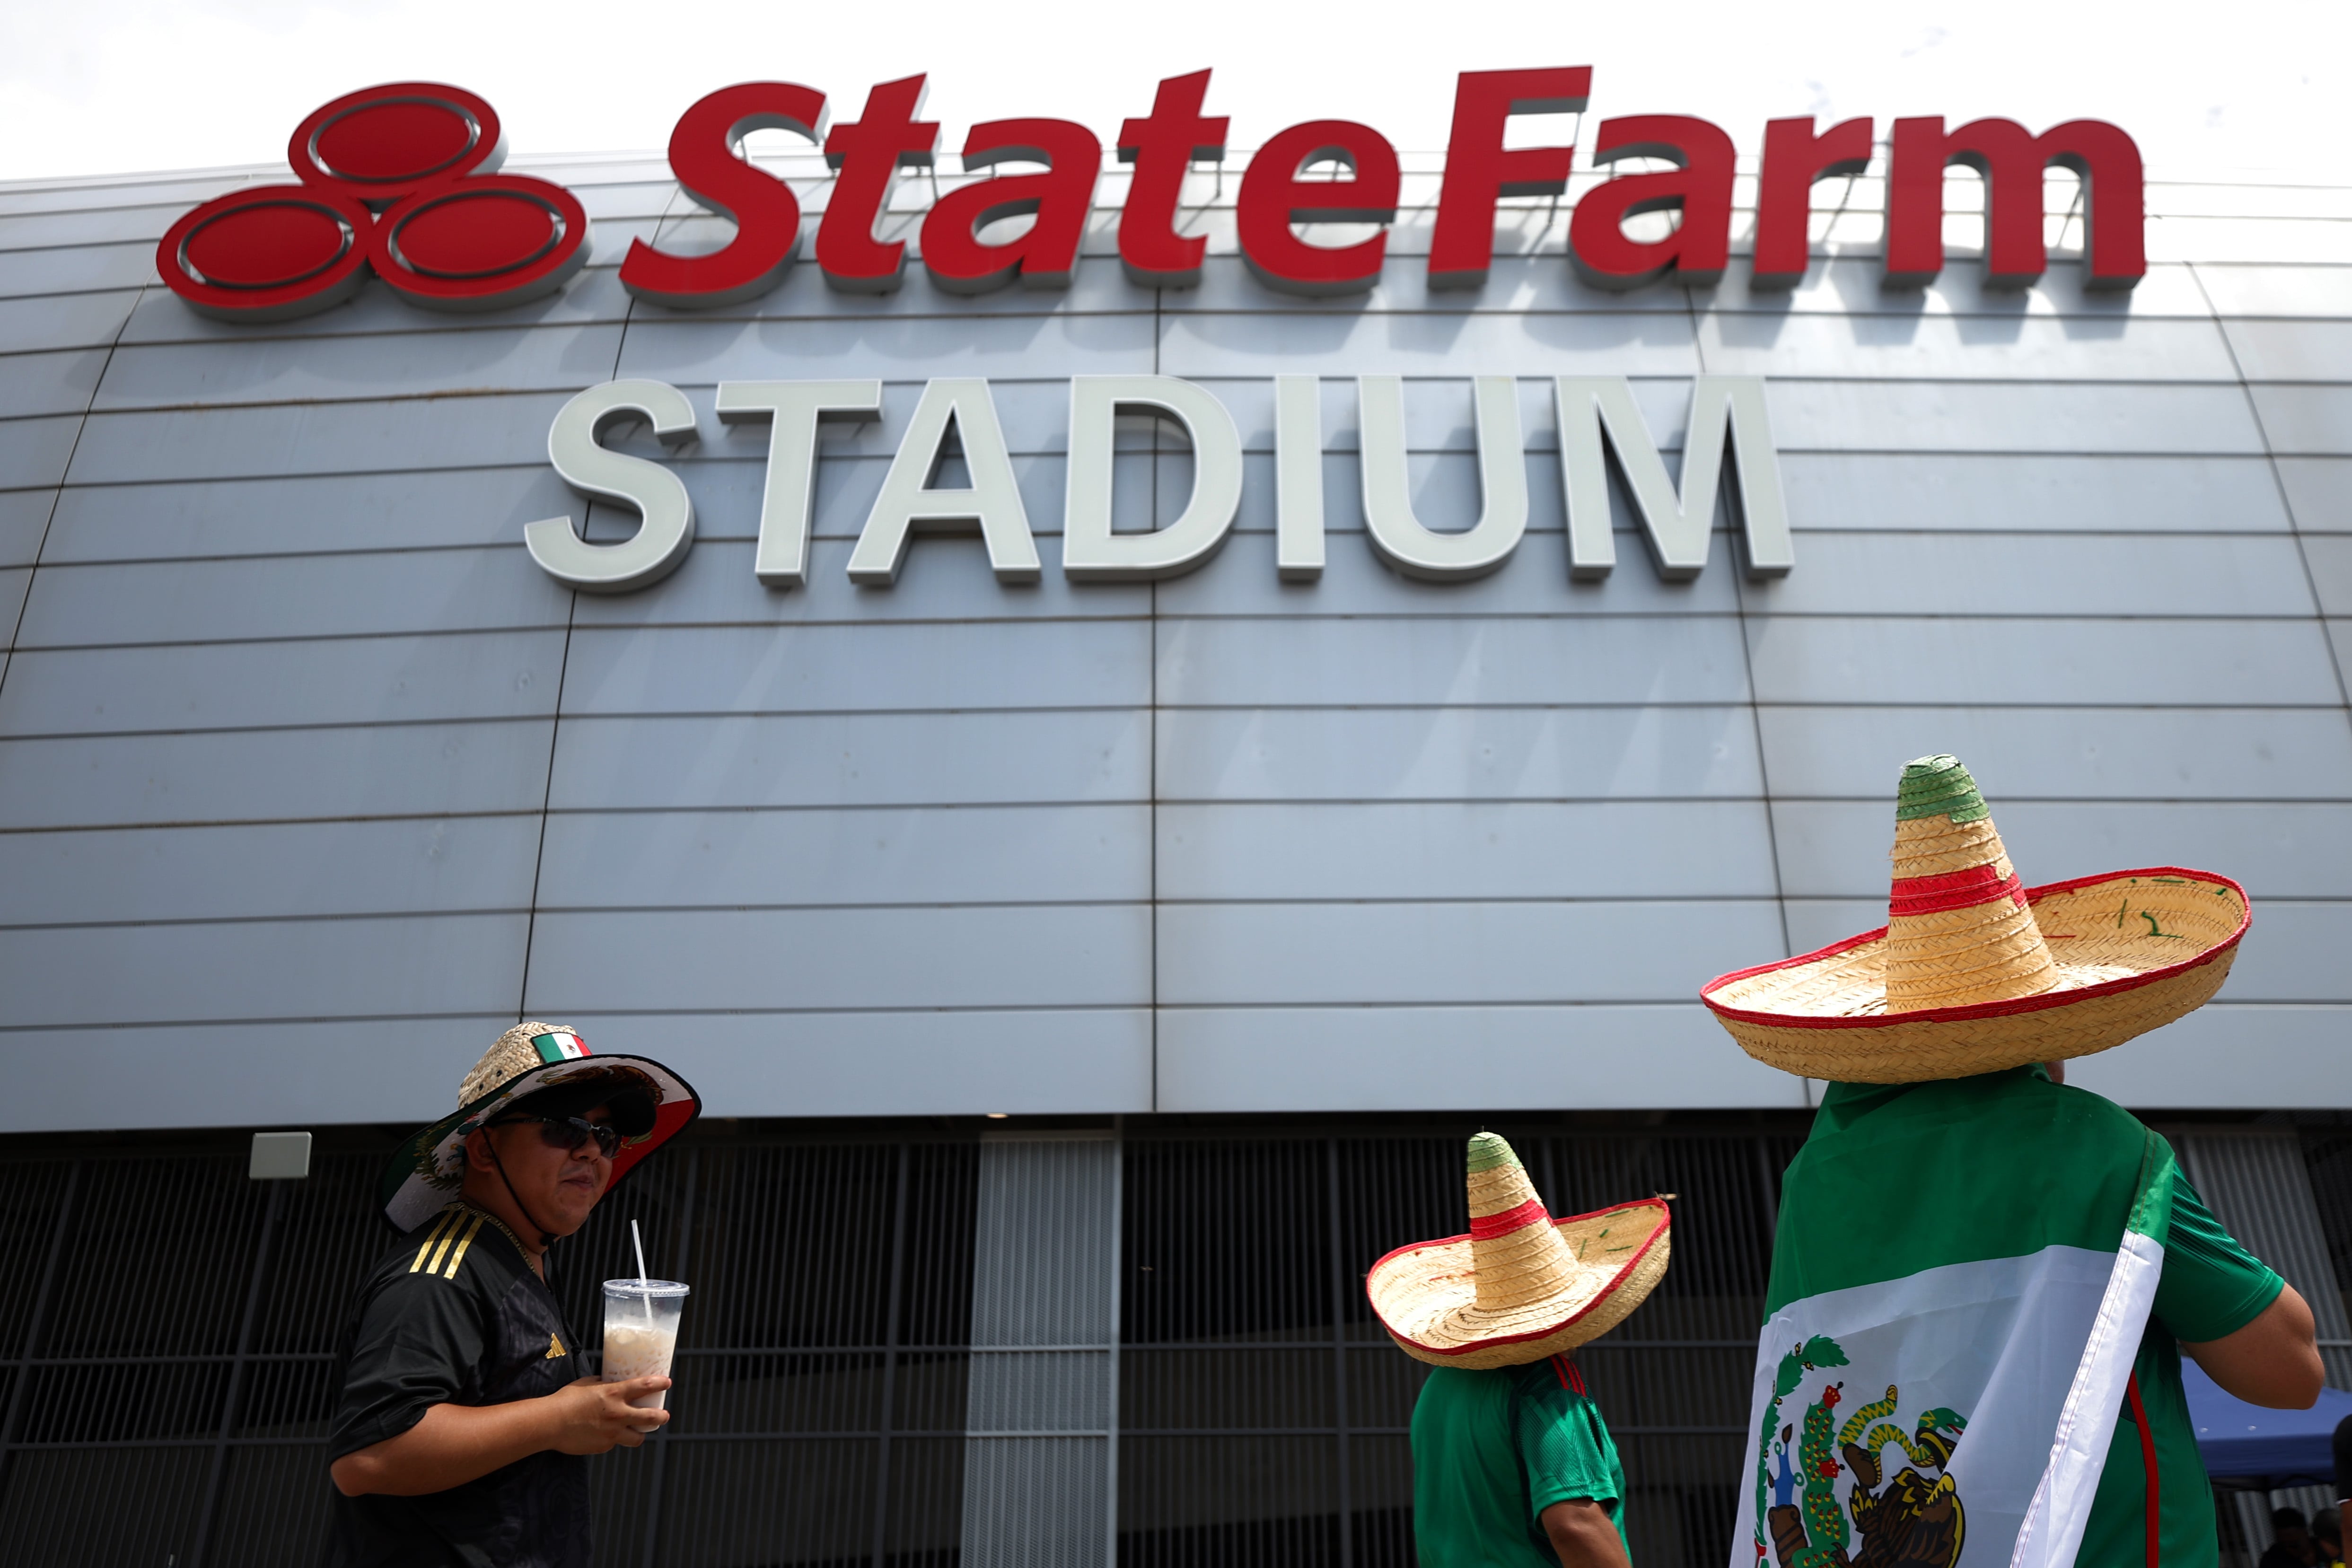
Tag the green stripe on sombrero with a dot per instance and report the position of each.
(1939, 787)
(1488, 1152)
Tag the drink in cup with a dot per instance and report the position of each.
(641, 1332)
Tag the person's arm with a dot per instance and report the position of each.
(1569, 1469)
(2272, 1361)
(2232, 1314)
(455, 1444)
(1581, 1532)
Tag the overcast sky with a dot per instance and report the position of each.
(115, 86)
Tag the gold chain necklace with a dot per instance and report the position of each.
(503, 1230)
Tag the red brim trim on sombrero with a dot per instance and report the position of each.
(2044, 1002)
(1616, 1279)
(670, 1119)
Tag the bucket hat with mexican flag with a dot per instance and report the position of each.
(647, 1102)
(1522, 1285)
(1975, 972)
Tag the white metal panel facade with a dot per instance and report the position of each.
(310, 779)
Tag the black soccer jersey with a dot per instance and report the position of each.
(454, 1315)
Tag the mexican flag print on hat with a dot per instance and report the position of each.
(1522, 1285)
(1975, 972)
(1954, 1371)
(427, 1171)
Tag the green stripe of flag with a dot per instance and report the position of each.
(1881, 1196)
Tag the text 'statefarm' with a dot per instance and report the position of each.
(399, 181)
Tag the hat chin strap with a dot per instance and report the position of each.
(546, 1237)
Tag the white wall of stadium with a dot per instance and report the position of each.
(312, 778)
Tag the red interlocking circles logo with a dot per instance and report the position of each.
(395, 180)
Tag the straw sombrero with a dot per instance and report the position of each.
(1974, 972)
(427, 1171)
(1522, 1285)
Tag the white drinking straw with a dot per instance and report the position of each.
(645, 1286)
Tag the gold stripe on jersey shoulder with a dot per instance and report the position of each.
(457, 1223)
(460, 1255)
(434, 1235)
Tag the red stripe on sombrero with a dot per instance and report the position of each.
(1615, 1279)
(1953, 890)
(1487, 1228)
(1988, 1009)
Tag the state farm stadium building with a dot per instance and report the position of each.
(1086, 979)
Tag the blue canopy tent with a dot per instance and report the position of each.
(2246, 1446)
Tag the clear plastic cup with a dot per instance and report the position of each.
(641, 1332)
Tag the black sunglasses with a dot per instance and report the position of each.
(568, 1133)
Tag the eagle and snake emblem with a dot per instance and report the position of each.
(1909, 1521)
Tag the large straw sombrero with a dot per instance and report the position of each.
(1974, 972)
(1522, 1285)
(427, 1171)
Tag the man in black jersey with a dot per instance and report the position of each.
(465, 1406)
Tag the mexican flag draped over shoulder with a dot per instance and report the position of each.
(1958, 1293)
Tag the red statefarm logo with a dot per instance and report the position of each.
(397, 180)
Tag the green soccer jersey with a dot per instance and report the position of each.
(1491, 1450)
(2019, 1121)
(2210, 1287)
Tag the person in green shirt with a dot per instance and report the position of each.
(2215, 1303)
(1983, 1280)
(1513, 1465)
